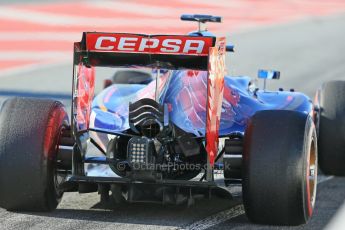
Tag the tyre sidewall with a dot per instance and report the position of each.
(29, 131)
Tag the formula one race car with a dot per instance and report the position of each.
(162, 131)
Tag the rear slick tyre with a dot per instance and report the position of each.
(332, 128)
(280, 168)
(29, 135)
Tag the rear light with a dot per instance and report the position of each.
(140, 151)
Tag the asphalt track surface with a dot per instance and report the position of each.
(307, 53)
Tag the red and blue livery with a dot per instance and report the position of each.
(168, 127)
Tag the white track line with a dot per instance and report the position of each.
(152, 10)
(215, 219)
(326, 178)
(32, 67)
(52, 19)
(226, 215)
(40, 36)
(36, 55)
(132, 7)
(222, 3)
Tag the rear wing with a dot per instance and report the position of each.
(121, 49)
(162, 51)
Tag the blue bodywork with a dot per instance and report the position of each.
(185, 95)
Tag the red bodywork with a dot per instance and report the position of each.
(215, 88)
(155, 44)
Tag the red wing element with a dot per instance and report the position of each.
(215, 88)
(148, 44)
(84, 95)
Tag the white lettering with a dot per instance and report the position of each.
(127, 44)
(144, 43)
(171, 45)
(100, 41)
(189, 46)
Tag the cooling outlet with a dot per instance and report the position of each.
(150, 128)
(146, 117)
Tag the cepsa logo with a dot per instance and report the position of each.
(128, 43)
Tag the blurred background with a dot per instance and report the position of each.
(301, 38)
(304, 39)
